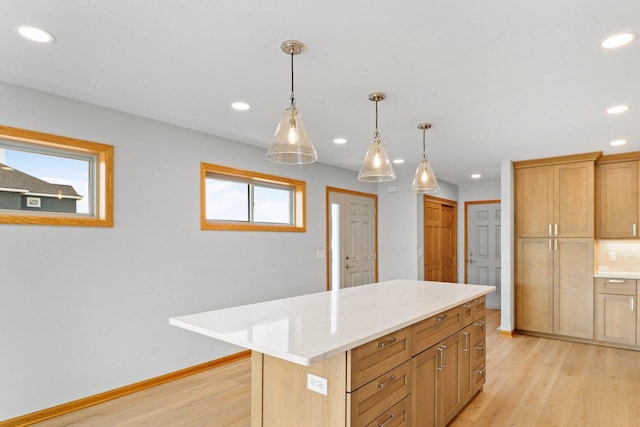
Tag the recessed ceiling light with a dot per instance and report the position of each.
(476, 176)
(36, 34)
(340, 141)
(617, 109)
(617, 40)
(398, 161)
(617, 142)
(240, 106)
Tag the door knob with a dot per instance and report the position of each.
(347, 266)
(471, 261)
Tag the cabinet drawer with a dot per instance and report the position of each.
(479, 309)
(436, 328)
(374, 358)
(479, 354)
(398, 416)
(467, 313)
(615, 286)
(478, 377)
(479, 330)
(373, 399)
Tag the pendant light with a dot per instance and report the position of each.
(291, 144)
(376, 166)
(425, 180)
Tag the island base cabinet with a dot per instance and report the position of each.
(435, 393)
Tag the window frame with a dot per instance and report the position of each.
(103, 171)
(298, 208)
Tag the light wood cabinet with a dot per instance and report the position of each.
(616, 311)
(555, 200)
(617, 199)
(554, 286)
(448, 374)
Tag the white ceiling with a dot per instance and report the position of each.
(499, 79)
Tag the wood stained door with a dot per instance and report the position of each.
(440, 239)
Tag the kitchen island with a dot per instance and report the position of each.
(380, 354)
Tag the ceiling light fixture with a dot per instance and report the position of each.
(340, 141)
(617, 40)
(425, 180)
(476, 176)
(376, 166)
(240, 106)
(36, 34)
(617, 142)
(398, 161)
(291, 144)
(617, 109)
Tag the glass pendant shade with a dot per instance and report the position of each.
(425, 180)
(376, 166)
(291, 144)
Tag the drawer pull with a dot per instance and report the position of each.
(480, 372)
(479, 302)
(389, 418)
(480, 324)
(615, 281)
(383, 384)
(383, 344)
(480, 347)
(441, 318)
(468, 305)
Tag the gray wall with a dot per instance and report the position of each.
(84, 310)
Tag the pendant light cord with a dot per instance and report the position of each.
(293, 99)
(424, 149)
(376, 134)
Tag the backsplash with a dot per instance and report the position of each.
(617, 256)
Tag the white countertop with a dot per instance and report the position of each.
(617, 275)
(309, 328)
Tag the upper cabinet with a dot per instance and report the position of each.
(555, 197)
(617, 196)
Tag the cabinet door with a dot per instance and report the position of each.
(618, 200)
(574, 199)
(616, 318)
(573, 287)
(423, 389)
(467, 358)
(534, 201)
(534, 285)
(448, 382)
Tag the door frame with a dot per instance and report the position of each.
(442, 201)
(466, 229)
(328, 227)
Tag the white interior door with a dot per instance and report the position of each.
(352, 236)
(483, 248)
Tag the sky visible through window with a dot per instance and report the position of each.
(53, 169)
(229, 200)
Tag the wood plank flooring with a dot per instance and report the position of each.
(531, 381)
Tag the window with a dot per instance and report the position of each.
(235, 199)
(54, 180)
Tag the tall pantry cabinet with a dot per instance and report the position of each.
(554, 223)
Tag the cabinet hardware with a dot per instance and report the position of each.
(479, 302)
(468, 305)
(389, 418)
(550, 233)
(555, 245)
(441, 318)
(466, 341)
(633, 304)
(550, 245)
(480, 323)
(615, 281)
(480, 347)
(383, 344)
(383, 384)
(635, 230)
(480, 372)
(441, 352)
(444, 361)
(556, 230)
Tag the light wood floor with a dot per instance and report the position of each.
(530, 382)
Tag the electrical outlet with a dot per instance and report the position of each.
(612, 256)
(317, 384)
